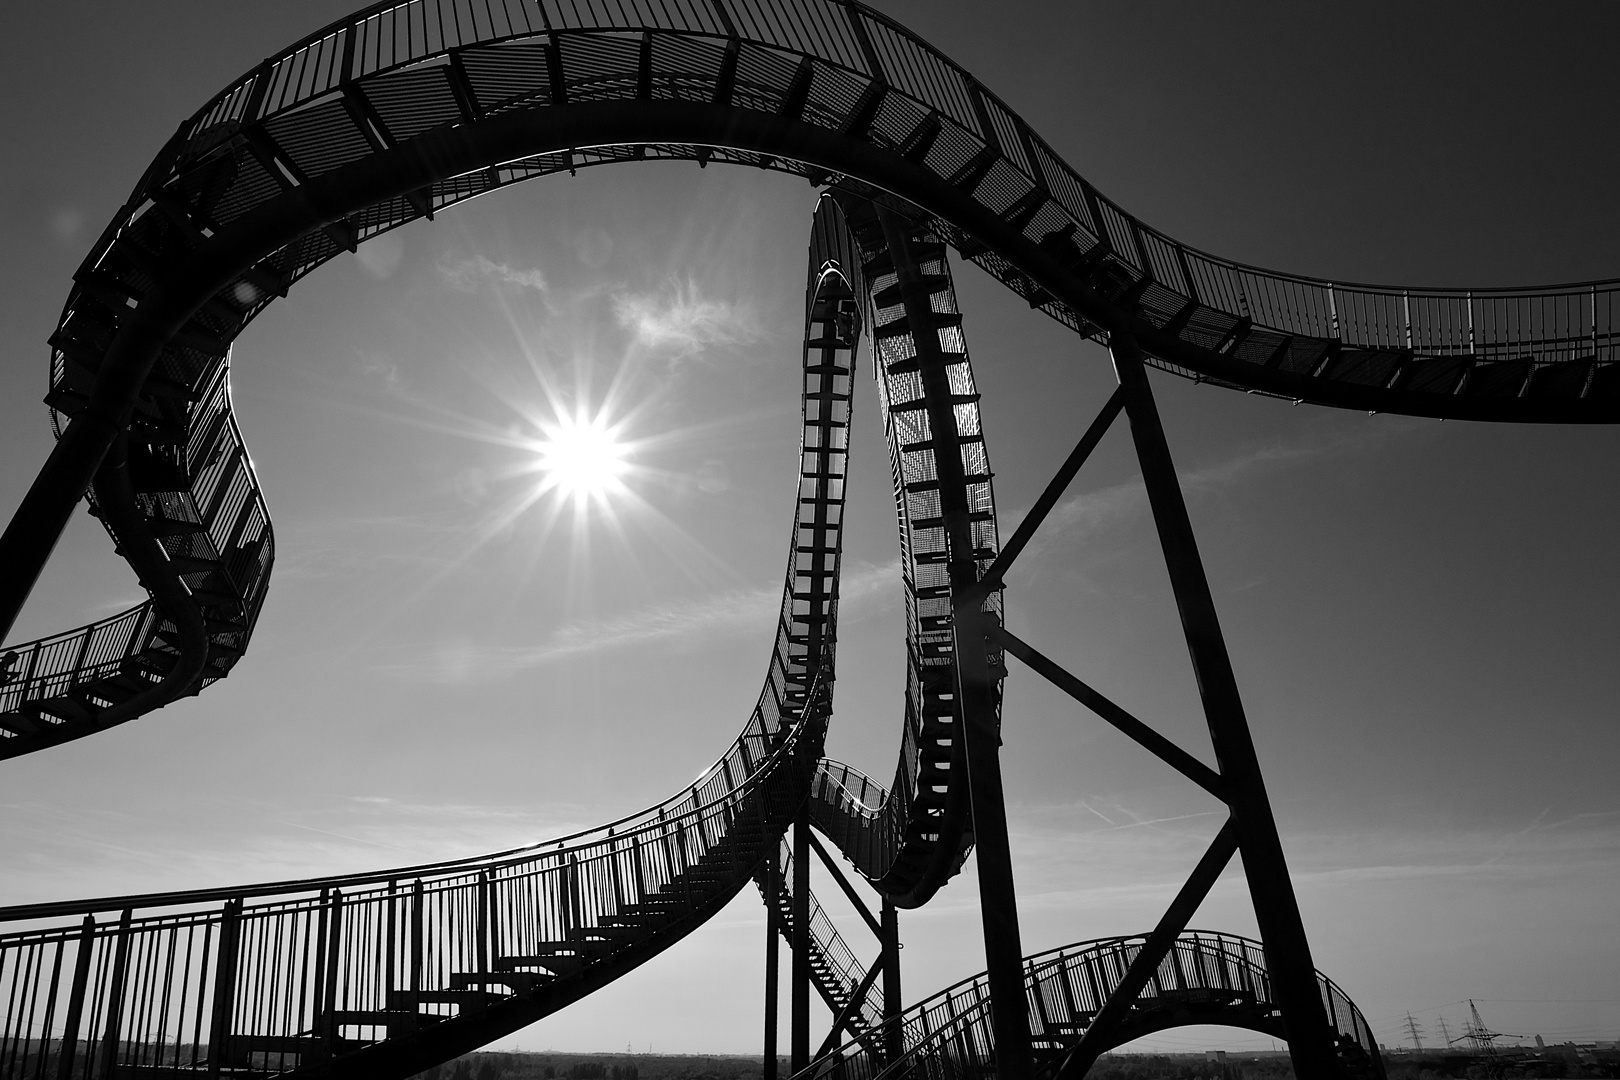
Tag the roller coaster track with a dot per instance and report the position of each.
(404, 109)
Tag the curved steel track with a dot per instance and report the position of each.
(404, 109)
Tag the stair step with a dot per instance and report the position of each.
(408, 1000)
(66, 708)
(616, 933)
(632, 917)
(18, 723)
(559, 963)
(375, 1018)
(277, 1044)
(517, 981)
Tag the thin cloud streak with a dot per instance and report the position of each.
(466, 275)
(745, 610)
(1082, 515)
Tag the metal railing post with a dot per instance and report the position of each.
(219, 1031)
(115, 997)
(75, 1010)
(417, 898)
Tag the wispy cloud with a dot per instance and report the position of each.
(737, 611)
(1082, 515)
(467, 274)
(681, 320)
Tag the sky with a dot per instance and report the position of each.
(1422, 614)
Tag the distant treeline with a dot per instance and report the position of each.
(1160, 1067)
(554, 1066)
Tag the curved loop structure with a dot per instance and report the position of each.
(908, 840)
(1207, 978)
(379, 974)
(187, 483)
(405, 108)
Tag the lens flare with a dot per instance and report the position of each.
(581, 458)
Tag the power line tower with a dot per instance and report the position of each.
(1445, 1032)
(1414, 1029)
(1482, 1037)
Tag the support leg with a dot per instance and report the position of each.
(1288, 955)
(800, 1053)
(894, 1043)
(773, 876)
(27, 543)
(976, 685)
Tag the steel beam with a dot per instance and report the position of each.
(799, 986)
(977, 687)
(773, 878)
(1288, 954)
(894, 1043)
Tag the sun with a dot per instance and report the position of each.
(581, 458)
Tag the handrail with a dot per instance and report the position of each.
(319, 60)
(1065, 987)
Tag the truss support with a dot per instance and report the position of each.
(1153, 951)
(1288, 954)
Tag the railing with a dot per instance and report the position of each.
(52, 667)
(214, 527)
(833, 966)
(277, 974)
(1541, 324)
(949, 1035)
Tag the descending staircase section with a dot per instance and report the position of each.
(384, 974)
(189, 495)
(838, 976)
(1206, 978)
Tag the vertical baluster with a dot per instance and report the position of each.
(50, 1010)
(615, 873)
(390, 983)
(482, 944)
(416, 941)
(637, 850)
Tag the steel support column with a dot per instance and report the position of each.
(1288, 954)
(976, 685)
(799, 1054)
(773, 878)
(894, 1041)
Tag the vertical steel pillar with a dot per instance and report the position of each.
(976, 685)
(773, 877)
(1288, 955)
(800, 1051)
(894, 1043)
